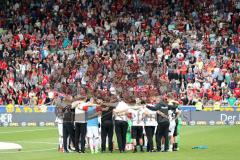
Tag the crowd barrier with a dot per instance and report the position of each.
(45, 116)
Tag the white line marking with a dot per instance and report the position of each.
(32, 130)
(31, 151)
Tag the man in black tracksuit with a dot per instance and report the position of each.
(163, 124)
(68, 126)
(107, 128)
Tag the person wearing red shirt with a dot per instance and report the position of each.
(45, 80)
(1, 100)
(20, 98)
(183, 70)
(17, 38)
(24, 44)
(217, 97)
(4, 66)
(152, 39)
(236, 91)
(210, 93)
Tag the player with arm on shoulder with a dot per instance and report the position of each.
(68, 126)
(150, 123)
(173, 114)
(121, 124)
(137, 125)
(176, 130)
(80, 121)
(92, 127)
(106, 127)
(163, 123)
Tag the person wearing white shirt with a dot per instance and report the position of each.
(150, 124)
(121, 125)
(173, 114)
(80, 122)
(159, 54)
(137, 126)
(59, 121)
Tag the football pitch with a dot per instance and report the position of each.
(40, 143)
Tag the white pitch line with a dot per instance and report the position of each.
(31, 151)
(32, 130)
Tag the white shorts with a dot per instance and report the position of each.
(92, 131)
(172, 127)
(60, 129)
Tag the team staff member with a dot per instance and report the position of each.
(107, 128)
(68, 127)
(163, 123)
(121, 124)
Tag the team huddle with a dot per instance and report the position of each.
(93, 121)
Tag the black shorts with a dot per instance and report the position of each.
(137, 132)
(176, 130)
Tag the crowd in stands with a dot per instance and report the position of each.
(135, 47)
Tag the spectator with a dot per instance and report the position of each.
(192, 46)
(232, 100)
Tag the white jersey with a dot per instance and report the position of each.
(137, 117)
(150, 118)
(121, 116)
(172, 115)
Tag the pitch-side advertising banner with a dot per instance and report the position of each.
(45, 116)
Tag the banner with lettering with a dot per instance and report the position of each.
(45, 116)
(27, 119)
(10, 108)
(226, 116)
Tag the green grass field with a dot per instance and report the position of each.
(41, 143)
